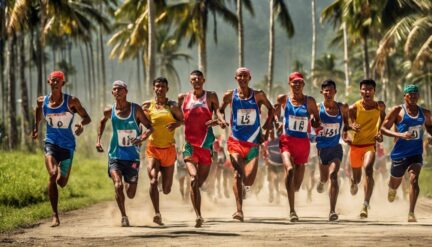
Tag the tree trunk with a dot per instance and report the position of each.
(271, 50)
(346, 61)
(139, 90)
(12, 125)
(103, 70)
(202, 42)
(314, 82)
(151, 69)
(84, 73)
(39, 63)
(93, 78)
(240, 34)
(2, 60)
(89, 79)
(25, 132)
(366, 68)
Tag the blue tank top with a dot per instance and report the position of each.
(59, 123)
(245, 118)
(124, 131)
(296, 119)
(414, 125)
(330, 134)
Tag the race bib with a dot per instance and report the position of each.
(298, 124)
(125, 137)
(246, 117)
(329, 129)
(59, 120)
(415, 131)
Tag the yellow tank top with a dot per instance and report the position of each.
(161, 136)
(369, 122)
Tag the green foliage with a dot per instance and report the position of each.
(23, 190)
(425, 178)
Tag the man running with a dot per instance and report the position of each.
(58, 109)
(407, 152)
(366, 117)
(123, 155)
(294, 142)
(332, 114)
(198, 108)
(165, 117)
(243, 144)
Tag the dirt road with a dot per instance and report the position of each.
(265, 223)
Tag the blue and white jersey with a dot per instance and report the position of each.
(245, 118)
(329, 136)
(59, 123)
(414, 125)
(296, 119)
(124, 131)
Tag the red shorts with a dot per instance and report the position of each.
(297, 147)
(247, 150)
(197, 155)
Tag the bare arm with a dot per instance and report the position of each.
(353, 118)
(181, 97)
(142, 119)
(263, 100)
(381, 107)
(281, 101)
(101, 128)
(392, 118)
(214, 108)
(226, 100)
(76, 106)
(38, 116)
(177, 114)
(428, 121)
(313, 110)
(345, 118)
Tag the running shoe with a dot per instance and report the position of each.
(238, 216)
(364, 212)
(333, 216)
(391, 194)
(125, 221)
(158, 219)
(199, 221)
(293, 217)
(411, 217)
(320, 187)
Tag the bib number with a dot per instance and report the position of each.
(246, 117)
(59, 120)
(329, 130)
(298, 124)
(415, 132)
(125, 137)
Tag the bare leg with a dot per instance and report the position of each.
(238, 164)
(167, 178)
(334, 186)
(53, 171)
(198, 174)
(116, 177)
(369, 159)
(289, 179)
(153, 167)
(414, 172)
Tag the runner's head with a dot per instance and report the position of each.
(411, 94)
(367, 89)
(296, 82)
(197, 79)
(243, 76)
(328, 90)
(160, 86)
(56, 80)
(119, 90)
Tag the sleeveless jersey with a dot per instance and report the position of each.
(161, 137)
(274, 153)
(369, 121)
(124, 131)
(59, 123)
(414, 125)
(296, 119)
(196, 113)
(330, 134)
(245, 118)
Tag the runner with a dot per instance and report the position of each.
(198, 107)
(243, 144)
(58, 109)
(123, 155)
(366, 117)
(165, 117)
(309, 179)
(294, 142)
(406, 155)
(274, 164)
(332, 114)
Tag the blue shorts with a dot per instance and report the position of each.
(327, 155)
(63, 156)
(400, 166)
(128, 169)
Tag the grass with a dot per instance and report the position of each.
(23, 190)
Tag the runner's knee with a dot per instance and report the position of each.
(118, 185)
(153, 182)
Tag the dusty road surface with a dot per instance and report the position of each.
(265, 223)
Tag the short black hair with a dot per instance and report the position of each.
(368, 82)
(197, 72)
(160, 79)
(328, 83)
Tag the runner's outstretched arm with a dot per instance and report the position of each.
(101, 128)
(226, 100)
(76, 106)
(38, 117)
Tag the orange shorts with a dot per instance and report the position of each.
(166, 156)
(357, 154)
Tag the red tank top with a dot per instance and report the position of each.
(196, 114)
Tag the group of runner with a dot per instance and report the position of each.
(287, 127)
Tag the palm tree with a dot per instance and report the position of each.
(314, 82)
(240, 32)
(326, 69)
(279, 10)
(151, 69)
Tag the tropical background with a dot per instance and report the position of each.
(98, 41)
